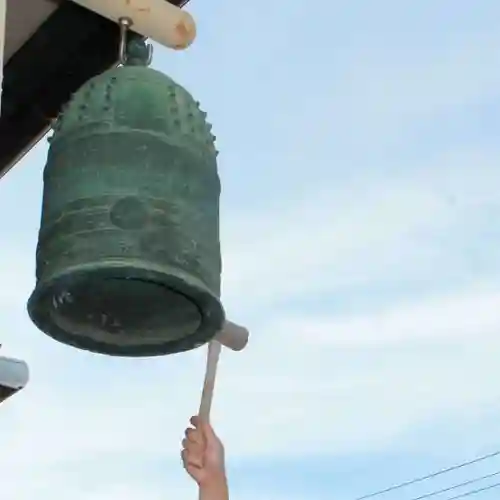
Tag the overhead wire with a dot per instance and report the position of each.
(456, 486)
(430, 476)
(475, 492)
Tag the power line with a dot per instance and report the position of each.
(475, 492)
(430, 476)
(456, 486)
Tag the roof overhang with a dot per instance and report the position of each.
(52, 47)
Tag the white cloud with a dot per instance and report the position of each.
(403, 364)
(406, 364)
(408, 227)
(290, 375)
(460, 319)
(313, 380)
(404, 83)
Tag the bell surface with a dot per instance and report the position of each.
(128, 255)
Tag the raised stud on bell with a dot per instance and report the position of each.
(128, 257)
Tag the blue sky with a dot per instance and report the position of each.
(360, 165)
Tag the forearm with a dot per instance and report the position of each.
(217, 490)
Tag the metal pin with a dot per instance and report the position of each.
(125, 24)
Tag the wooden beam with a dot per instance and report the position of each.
(72, 45)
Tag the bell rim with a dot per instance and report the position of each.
(209, 306)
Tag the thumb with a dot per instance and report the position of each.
(205, 427)
(208, 431)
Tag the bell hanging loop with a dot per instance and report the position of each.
(128, 260)
(132, 51)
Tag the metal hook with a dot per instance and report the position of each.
(149, 60)
(125, 24)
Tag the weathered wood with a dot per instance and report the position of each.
(70, 47)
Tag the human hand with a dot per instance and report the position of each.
(203, 454)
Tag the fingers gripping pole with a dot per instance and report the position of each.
(234, 337)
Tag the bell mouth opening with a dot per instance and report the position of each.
(124, 311)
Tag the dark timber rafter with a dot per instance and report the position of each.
(71, 46)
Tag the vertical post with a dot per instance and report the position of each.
(3, 22)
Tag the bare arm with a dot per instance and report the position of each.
(215, 491)
(203, 458)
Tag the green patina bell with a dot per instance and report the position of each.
(128, 256)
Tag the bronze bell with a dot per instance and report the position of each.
(128, 256)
